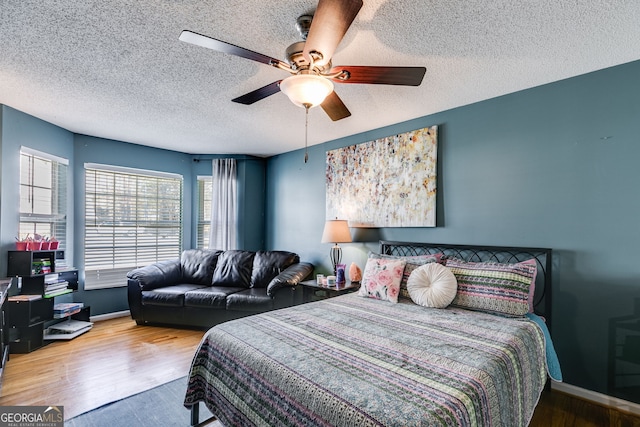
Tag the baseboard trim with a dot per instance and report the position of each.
(594, 396)
(108, 316)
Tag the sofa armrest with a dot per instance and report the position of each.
(290, 277)
(163, 273)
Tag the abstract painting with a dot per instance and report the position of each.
(389, 182)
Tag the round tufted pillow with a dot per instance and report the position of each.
(432, 285)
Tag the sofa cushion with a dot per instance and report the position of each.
(198, 265)
(209, 297)
(254, 299)
(268, 264)
(157, 275)
(234, 269)
(169, 295)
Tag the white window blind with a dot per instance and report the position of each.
(43, 195)
(132, 218)
(204, 211)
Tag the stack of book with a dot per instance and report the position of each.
(66, 309)
(55, 288)
(41, 266)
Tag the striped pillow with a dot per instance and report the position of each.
(493, 287)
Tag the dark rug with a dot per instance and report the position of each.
(159, 406)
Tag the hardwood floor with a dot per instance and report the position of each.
(117, 358)
(557, 409)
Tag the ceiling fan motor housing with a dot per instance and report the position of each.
(296, 59)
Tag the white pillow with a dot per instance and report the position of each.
(432, 285)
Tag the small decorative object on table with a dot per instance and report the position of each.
(340, 275)
(355, 273)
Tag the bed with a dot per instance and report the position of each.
(354, 361)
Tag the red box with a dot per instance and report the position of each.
(34, 246)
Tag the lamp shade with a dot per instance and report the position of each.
(336, 231)
(306, 90)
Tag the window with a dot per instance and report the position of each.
(43, 195)
(204, 211)
(133, 218)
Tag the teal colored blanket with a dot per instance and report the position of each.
(553, 364)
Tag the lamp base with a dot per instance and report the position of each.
(336, 257)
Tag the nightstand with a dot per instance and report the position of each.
(315, 292)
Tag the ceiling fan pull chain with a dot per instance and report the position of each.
(306, 132)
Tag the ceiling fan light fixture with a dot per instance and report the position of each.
(306, 90)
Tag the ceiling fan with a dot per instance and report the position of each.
(309, 61)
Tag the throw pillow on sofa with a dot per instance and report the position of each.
(198, 265)
(234, 269)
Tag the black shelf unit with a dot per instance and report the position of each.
(25, 324)
(21, 263)
(27, 319)
(37, 285)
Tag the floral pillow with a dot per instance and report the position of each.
(381, 279)
(413, 262)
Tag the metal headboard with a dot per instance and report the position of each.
(474, 253)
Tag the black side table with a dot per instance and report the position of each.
(315, 292)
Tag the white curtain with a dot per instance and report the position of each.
(224, 205)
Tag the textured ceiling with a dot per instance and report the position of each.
(115, 69)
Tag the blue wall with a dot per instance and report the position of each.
(251, 200)
(554, 166)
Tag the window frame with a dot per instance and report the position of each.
(136, 228)
(58, 189)
(205, 198)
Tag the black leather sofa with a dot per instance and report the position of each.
(207, 287)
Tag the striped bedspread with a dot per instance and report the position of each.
(352, 361)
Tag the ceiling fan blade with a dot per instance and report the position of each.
(258, 94)
(334, 107)
(406, 76)
(220, 46)
(330, 23)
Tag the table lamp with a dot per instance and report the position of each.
(336, 231)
